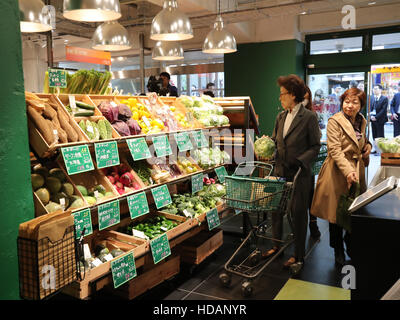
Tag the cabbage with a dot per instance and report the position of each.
(122, 128)
(220, 110)
(187, 101)
(108, 111)
(207, 98)
(388, 146)
(124, 113)
(264, 147)
(134, 127)
(197, 102)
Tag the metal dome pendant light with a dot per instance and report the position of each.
(167, 51)
(170, 24)
(32, 16)
(92, 10)
(111, 36)
(219, 40)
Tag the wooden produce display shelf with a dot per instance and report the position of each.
(392, 159)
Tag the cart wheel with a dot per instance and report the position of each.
(225, 279)
(296, 268)
(247, 289)
(255, 258)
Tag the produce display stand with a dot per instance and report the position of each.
(390, 159)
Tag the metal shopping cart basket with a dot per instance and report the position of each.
(250, 193)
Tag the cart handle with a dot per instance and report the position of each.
(259, 164)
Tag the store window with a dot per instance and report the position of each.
(339, 45)
(386, 41)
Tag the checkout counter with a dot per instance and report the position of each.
(375, 241)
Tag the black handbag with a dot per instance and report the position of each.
(343, 216)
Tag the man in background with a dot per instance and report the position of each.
(167, 89)
(394, 109)
(209, 90)
(379, 105)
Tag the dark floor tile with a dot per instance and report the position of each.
(176, 295)
(196, 296)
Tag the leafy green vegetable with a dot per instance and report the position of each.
(264, 147)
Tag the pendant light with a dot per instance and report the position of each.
(111, 36)
(92, 10)
(170, 24)
(31, 16)
(167, 51)
(219, 40)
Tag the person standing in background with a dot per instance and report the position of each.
(167, 89)
(360, 86)
(394, 109)
(379, 105)
(209, 90)
(333, 105)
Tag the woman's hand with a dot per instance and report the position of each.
(351, 177)
(366, 151)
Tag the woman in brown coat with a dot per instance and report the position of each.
(348, 153)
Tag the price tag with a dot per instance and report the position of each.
(83, 219)
(72, 102)
(96, 194)
(187, 214)
(96, 262)
(77, 159)
(162, 146)
(106, 154)
(139, 234)
(139, 149)
(90, 129)
(62, 203)
(55, 132)
(86, 251)
(108, 257)
(161, 196)
(221, 173)
(200, 139)
(183, 141)
(57, 78)
(123, 269)
(197, 183)
(163, 228)
(160, 248)
(138, 205)
(108, 214)
(213, 219)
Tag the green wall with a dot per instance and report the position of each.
(15, 184)
(253, 71)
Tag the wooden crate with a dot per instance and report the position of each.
(392, 159)
(196, 249)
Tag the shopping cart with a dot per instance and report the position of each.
(317, 164)
(248, 192)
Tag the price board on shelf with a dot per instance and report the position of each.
(160, 248)
(162, 146)
(161, 196)
(123, 269)
(106, 154)
(213, 219)
(139, 149)
(200, 139)
(83, 220)
(77, 159)
(57, 78)
(108, 214)
(197, 183)
(183, 141)
(221, 173)
(138, 205)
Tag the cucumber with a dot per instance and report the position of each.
(84, 114)
(84, 105)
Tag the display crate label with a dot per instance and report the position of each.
(123, 269)
(160, 248)
(77, 159)
(162, 146)
(161, 196)
(197, 183)
(139, 149)
(57, 78)
(83, 219)
(221, 173)
(200, 139)
(109, 214)
(183, 141)
(213, 219)
(106, 154)
(138, 205)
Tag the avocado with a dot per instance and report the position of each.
(117, 252)
(68, 189)
(43, 171)
(44, 195)
(37, 181)
(109, 194)
(52, 206)
(53, 185)
(98, 188)
(82, 190)
(57, 173)
(58, 196)
(77, 204)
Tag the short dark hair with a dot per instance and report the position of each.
(378, 85)
(165, 74)
(354, 92)
(210, 84)
(309, 103)
(294, 85)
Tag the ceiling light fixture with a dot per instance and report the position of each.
(92, 10)
(32, 18)
(170, 24)
(372, 3)
(167, 51)
(111, 36)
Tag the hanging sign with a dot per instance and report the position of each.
(221, 173)
(183, 141)
(88, 55)
(83, 219)
(108, 214)
(213, 219)
(197, 183)
(123, 269)
(161, 196)
(162, 146)
(138, 205)
(57, 78)
(200, 139)
(160, 248)
(77, 159)
(139, 149)
(106, 154)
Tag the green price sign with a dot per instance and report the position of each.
(83, 219)
(138, 205)
(183, 141)
(106, 154)
(200, 139)
(57, 78)
(108, 214)
(123, 269)
(213, 219)
(138, 148)
(161, 196)
(197, 183)
(77, 159)
(221, 173)
(162, 146)
(160, 248)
